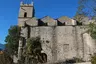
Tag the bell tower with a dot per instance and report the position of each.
(26, 12)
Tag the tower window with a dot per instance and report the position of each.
(25, 14)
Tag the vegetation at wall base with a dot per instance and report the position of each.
(12, 40)
(5, 58)
(93, 59)
(32, 53)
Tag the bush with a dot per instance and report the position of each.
(93, 59)
(5, 58)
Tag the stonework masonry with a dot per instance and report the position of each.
(61, 38)
(64, 42)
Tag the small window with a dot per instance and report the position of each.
(25, 14)
(66, 48)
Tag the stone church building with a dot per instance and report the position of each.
(62, 38)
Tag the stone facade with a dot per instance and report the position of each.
(25, 13)
(61, 38)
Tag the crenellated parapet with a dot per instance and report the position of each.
(66, 21)
(62, 21)
(25, 4)
(26, 16)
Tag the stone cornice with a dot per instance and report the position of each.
(26, 6)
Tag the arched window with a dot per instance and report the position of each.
(25, 14)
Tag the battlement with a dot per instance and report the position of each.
(22, 4)
(26, 16)
(48, 21)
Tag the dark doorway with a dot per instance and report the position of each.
(42, 58)
(25, 14)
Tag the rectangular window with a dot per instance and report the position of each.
(66, 47)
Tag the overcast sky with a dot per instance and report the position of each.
(54, 8)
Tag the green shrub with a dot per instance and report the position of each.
(93, 59)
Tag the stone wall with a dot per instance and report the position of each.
(64, 42)
(83, 63)
(46, 34)
(66, 46)
(89, 46)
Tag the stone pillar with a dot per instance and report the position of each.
(88, 46)
(20, 49)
